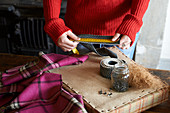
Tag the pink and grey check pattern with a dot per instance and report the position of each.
(29, 88)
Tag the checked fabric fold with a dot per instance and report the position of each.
(30, 88)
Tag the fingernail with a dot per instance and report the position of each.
(113, 39)
(76, 43)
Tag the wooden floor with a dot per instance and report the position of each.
(8, 61)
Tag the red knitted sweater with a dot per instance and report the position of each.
(97, 17)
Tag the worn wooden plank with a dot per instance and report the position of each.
(8, 61)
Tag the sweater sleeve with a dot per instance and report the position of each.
(54, 26)
(132, 23)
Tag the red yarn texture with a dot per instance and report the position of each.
(97, 17)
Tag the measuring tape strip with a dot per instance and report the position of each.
(95, 39)
(98, 41)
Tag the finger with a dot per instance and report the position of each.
(65, 49)
(124, 42)
(125, 46)
(66, 42)
(125, 39)
(72, 35)
(71, 43)
(116, 36)
(68, 46)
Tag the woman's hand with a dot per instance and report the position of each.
(65, 44)
(125, 41)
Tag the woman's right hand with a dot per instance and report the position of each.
(65, 44)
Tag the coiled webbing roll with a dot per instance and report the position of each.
(107, 65)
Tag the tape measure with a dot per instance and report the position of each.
(75, 51)
(95, 39)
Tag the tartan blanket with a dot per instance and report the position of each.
(30, 88)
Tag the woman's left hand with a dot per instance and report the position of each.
(125, 41)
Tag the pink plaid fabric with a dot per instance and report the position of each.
(28, 88)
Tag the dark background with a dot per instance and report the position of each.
(22, 27)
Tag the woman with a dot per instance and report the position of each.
(97, 17)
